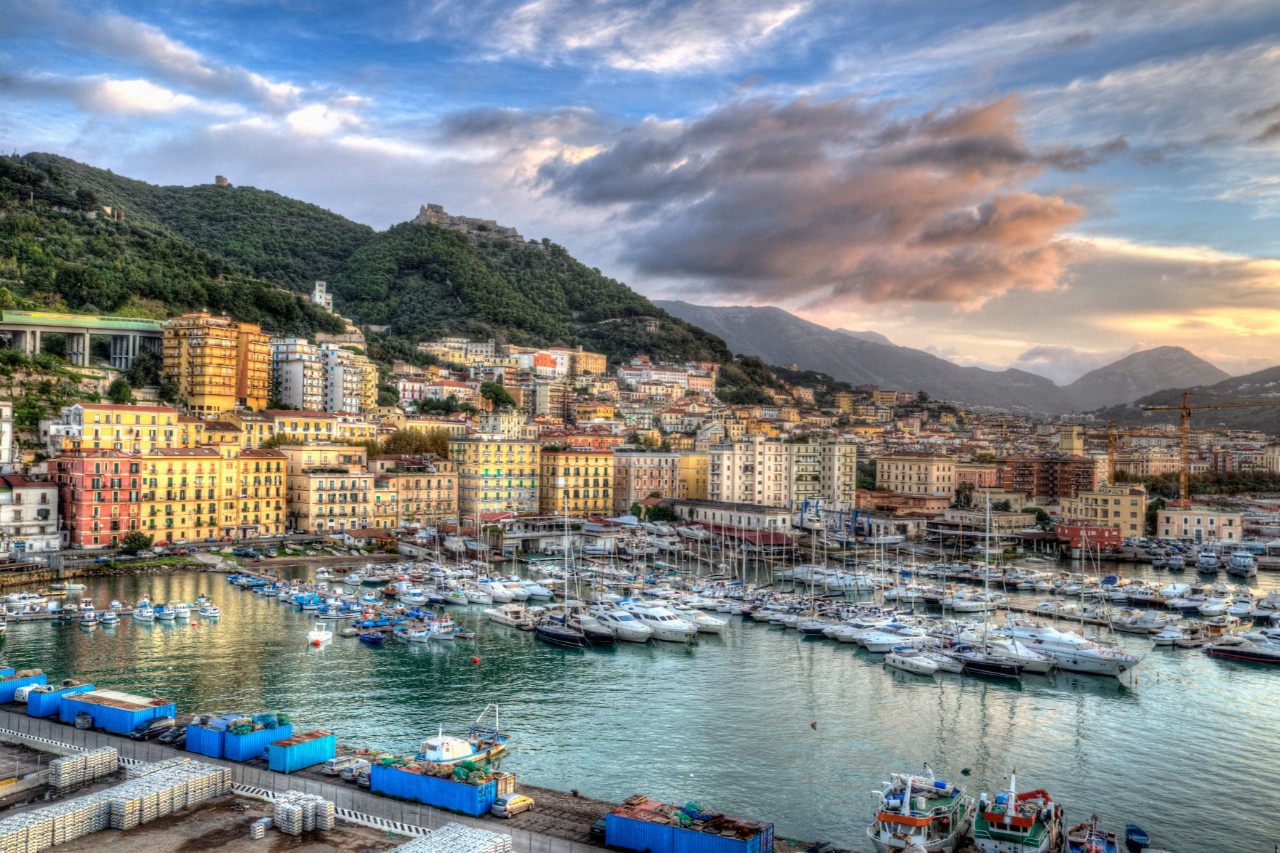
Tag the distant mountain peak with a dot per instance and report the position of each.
(874, 337)
(1142, 373)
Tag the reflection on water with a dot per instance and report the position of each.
(727, 722)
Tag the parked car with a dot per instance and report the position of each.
(597, 829)
(173, 735)
(334, 766)
(350, 772)
(510, 805)
(152, 728)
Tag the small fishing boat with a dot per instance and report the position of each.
(349, 632)
(89, 619)
(321, 632)
(908, 659)
(920, 812)
(1028, 822)
(164, 613)
(464, 635)
(108, 618)
(482, 742)
(181, 611)
(373, 638)
(1088, 838)
(1135, 838)
(209, 610)
(144, 612)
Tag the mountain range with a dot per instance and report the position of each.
(861, 358)
(1261, 387)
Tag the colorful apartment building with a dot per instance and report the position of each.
(98, 494)
(217, 364)
(328, 489)
(181, 493)
(576, 480)
(255, 506)
(297, 374)
(495, 475)
(426, 487)
(129, 429)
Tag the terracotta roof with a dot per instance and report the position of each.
(299, 413)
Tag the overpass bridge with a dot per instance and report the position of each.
(25, 331)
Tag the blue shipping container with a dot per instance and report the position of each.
(442, 793)
(6, 672)
(10, 687)
(47, 704)
(119, 721)
(204, 741)
(289, 757)
(632, 834)
(254, 744)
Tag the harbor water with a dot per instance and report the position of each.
(759, 722)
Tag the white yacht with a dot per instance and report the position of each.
(623, 625)
(666, 625)
(181, 611)
(537, 590)
(1242, 564)
(496, 590)
(704, 622)
(1072, 652)
(910, 660)
(512, 616)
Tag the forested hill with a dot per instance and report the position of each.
(276, 238)
(420, 280)
(60, 251)
(424, 281)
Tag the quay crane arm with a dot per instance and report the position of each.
(1184, 429)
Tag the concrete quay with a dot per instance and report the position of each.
(353, 804)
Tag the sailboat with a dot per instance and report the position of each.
(984, 661)
(557, 629)
(1029, 822)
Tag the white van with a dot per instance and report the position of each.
(21, 694)
(334, 766)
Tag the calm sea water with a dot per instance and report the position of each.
(1185, 747)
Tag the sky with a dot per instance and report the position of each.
(1041, 185)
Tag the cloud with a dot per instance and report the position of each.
(832, 199)
(127, 40)
(1065, 364)
(664, 37)
(103, 94)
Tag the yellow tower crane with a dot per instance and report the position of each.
(1184, 428)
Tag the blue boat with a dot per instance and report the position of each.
(373, 638)
(1136, 838)
(1088, 838)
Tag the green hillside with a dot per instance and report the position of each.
(60, 251)
(274, 237)
(424, 281)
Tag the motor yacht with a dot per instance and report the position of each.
(666, 625)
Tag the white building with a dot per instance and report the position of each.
(297, 373)
(1199, 524)
(768, 472)
(7, 458)
(321, 296)
(28, 517)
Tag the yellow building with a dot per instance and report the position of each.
(455, 428)
(426, 486)
(595, 410)
(182, 491)
(310, 427)
(694, 476)
(495, 475)
(1122, 506)
(217, 363)
(576, 480)
(916, 473)
(256, 505)
(328, 489)
(386, 503)
(129, 429)
(255, 427)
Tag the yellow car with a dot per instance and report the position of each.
(510, 805)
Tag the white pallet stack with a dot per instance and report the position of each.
(297, 813)
(456, 838)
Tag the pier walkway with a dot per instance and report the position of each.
(353, 804)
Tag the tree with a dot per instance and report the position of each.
(1001, 506)
(278, 440)
(120, 392)
(496, 394)
(1042, 518)
(922, 397)
(1153, 514)
(145, 370)
(134, 542)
